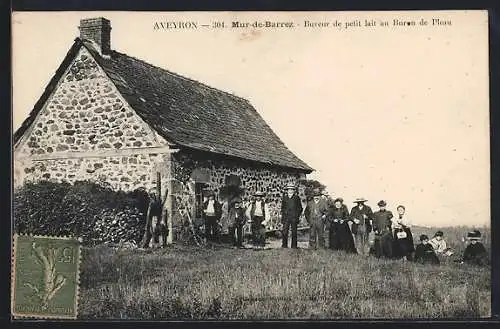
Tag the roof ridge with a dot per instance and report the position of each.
(182, 77)
(219, 133)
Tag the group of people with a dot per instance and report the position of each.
(237, 216)
(349, 231)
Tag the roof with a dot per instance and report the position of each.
(184, 111)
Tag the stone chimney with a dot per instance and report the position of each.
(98, 31)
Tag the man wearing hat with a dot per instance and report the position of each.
(258, 218)
(475, 253)
(316, 213)
(361, 217)
(382, 226)
(325, 196)
(212, 211)
(236, 218)
(291, 209)
(156, 229)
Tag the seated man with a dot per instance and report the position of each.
(439, 244)
(475, 253)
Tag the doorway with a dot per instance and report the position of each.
(198, 194)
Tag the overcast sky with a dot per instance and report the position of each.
(394, 113)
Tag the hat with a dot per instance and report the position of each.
(381, 203)
(474, 235)
(291, 187)
(235, 200)
(360, 200)
(424, 237)
(338, 200)
(259, 193)
(439, 233)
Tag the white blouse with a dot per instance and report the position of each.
(397, 222)
(211, 207)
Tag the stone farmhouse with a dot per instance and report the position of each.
(109, 117)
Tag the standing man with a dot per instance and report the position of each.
(327, 198)
(382, 226)
(316, 212)
(291, 209)
(156, 227)
(258, 218)
(212, 211)
(236, 216)
(361, 217)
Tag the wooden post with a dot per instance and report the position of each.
(169, 201)
(158, 184)
(169, 219)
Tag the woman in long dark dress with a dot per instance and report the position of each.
(340, 233)
(403, 240)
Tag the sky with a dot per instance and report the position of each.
(394, 113)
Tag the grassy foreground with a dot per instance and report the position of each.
(187, 283)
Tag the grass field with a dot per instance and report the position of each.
(189, 283)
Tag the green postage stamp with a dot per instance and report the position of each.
(45, 277)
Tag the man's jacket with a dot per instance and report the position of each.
(291, 208)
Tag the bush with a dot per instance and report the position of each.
(310, 185)
(115, 226)
(85, 209)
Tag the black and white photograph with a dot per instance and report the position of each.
(251, 165)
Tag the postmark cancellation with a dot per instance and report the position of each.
(45, 277)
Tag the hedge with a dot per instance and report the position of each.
(91, 211)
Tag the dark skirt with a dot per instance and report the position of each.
(403, 247)
(340, 237)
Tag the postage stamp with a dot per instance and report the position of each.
(45, 277)
(323, 161)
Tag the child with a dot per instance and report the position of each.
(475, 253)
(236, 221)
(424, 252)
(439, 245)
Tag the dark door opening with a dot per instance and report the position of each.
(198, 191)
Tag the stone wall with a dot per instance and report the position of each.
(120, 172)
(85, 114)
(270, 180)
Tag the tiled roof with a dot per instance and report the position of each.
(193, 115)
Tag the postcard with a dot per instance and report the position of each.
(251, 165)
